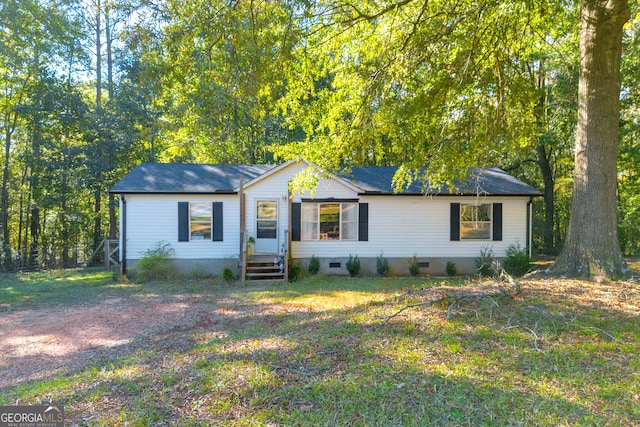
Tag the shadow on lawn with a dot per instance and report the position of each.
(339, 381)
(262, 363)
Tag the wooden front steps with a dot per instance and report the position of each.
(264, 268)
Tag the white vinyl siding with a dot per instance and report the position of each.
(154, 218)
(404, 226)
(274, 187)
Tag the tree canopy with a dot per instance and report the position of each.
(91, 88)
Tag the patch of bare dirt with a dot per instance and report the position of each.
(41, 342)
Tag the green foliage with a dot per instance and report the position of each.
(353, 265)
(291, 80)
(295, 272)
(414, 267)
(629, 222)
(628, 154)
(382, 265)
(229, 56)
(228, 275)
(314, 265)
(358, 110)
(485, 262)
(518, 261)
(451, 268)
(155, 264)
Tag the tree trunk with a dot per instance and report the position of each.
(4, 201)
(35, 234)
(64, 234)
(544, 164)
(109, 40)
(592, 249)
(23, 222)
(97, 224)
(98, 57)
(113, 221)
(549, 206)
(97, 221)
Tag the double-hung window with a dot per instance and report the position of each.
(329, 221)
(200, 221)
(475, 222)
(200, 217)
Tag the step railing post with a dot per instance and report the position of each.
(243, 256)
(285, 256)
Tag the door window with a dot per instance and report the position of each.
(266, 219)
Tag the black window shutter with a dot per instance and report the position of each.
(183, 221)
(295, 221)
(497, 221)
(455, 221)
(217, 235)
(363, 222)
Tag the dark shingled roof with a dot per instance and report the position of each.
(195, 178)
(490, 181)
(187, 178)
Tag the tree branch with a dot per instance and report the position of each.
(364, 16)
(414, 30)
(516, 165)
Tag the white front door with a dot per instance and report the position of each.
(266, 226)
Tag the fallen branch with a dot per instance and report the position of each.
(511, 290)
(602, 331)
(449, 301)
(535, 337)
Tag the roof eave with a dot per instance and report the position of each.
(380, 193)
(223, 192)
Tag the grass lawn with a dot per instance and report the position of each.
(319, 353)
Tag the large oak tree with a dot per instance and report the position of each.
(592, 248)
(442, 83)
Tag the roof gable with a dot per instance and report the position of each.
(346, 183)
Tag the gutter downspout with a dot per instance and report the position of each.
(123, 234)
(529, 225)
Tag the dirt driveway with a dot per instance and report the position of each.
(45, 341)
(37, 343)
